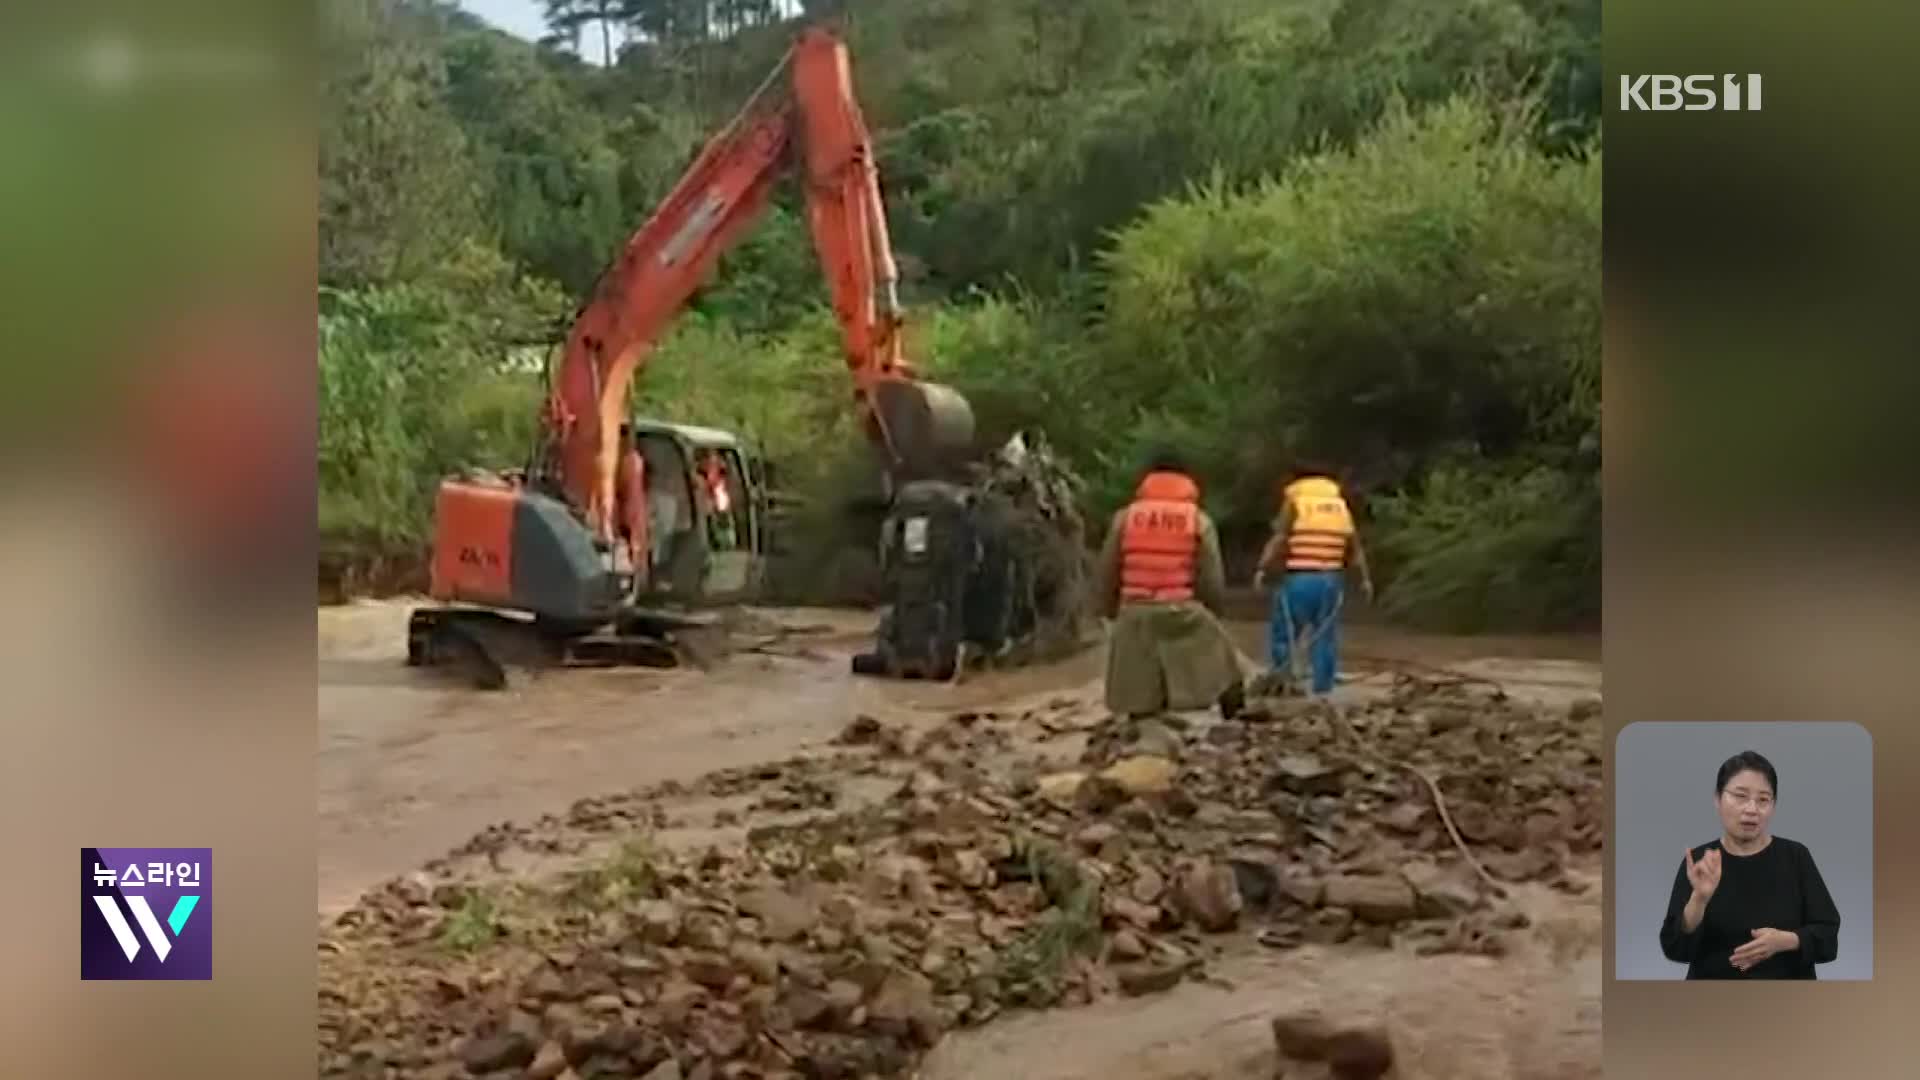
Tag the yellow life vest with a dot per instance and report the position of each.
(1322, 525)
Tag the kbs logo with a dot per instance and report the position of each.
(1693, 93)
(167, 892)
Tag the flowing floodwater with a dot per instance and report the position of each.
(411, 764)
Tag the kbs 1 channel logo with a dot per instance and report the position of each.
(146, 913)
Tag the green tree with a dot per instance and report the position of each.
(566, 19)
(554, 176)
(1364, 228)
(398, 189)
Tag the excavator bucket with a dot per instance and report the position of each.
(928, 425)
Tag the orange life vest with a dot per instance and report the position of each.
(1160, 539)
(1322, 524)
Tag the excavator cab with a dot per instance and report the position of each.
(706, 515)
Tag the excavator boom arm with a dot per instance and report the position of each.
(816, 122)
(663, 263)
(844, 210)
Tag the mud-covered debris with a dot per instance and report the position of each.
(1441, 892)
(711, 970)
(1099, 794)
(1122, 911)
(843, 1000)
(1148, 885)
(922, 784)
(549, 1063)
(1208, 895)
(1256, 875)
(506, 1050)
(1375, 898)
(1408, 817)
(967, 869)
(805, 1007)
(756, 961)
(1155, 739)
(1135, 814)
(1151, 977)
(1302, 1036)
(1096, 837)
(903, 1005)
(862, 731)
(1445, 718)
(900, 875)
(1526, 865)
(658, 922)
(1142, 775)
(1328, 926)
(1512, 920)
(1120, 737)
(1306, 774)
(1360, 1053)
(704, 930)
(783, 915)
(546, 984)
(1061, 789)
(1471, 935)
(725, 1040)
(1226, 734)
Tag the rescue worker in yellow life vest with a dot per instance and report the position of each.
(1313, 543)
(1161, 580)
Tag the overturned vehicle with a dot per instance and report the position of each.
(988, 570)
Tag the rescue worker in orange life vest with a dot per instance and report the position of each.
(1313, 543)
(1161, 581)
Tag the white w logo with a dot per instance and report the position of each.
(149, 925)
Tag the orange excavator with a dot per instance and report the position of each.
(531, 560)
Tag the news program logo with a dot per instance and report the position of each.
(146, 913)
(1691, 93)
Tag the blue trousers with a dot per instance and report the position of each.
(1308, 602)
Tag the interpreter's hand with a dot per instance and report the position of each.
(1766, 942)
(1704, 875)
(1259, 580)
(1366, 586)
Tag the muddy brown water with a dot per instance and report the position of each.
(1534, 1013)
(411, 765)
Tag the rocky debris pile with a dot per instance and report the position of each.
(844, 949)
(846, 943)
(1520, 783)
(1310, 1044)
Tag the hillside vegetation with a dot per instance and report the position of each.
(1358, 230)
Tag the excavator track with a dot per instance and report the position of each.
(492, 650)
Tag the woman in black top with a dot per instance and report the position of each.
(1749, 905)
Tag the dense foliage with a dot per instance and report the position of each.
(1360, 230)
